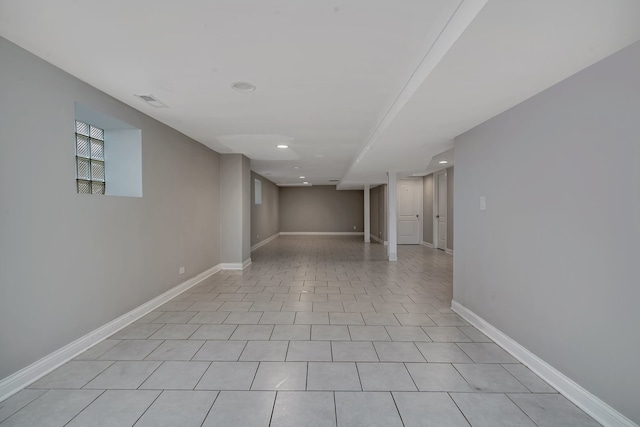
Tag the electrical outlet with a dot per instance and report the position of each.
(181, 270)
(354, 227)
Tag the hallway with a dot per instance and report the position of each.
(318, 331)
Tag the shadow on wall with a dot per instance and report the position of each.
(265, 208)
(430, 207)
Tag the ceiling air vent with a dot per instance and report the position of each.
(153, 101)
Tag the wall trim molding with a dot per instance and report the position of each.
(231, 266)
(28, 375)
(322, 233)
(264, 242)
(379, 240)
(592, 405)
(427, 244)
(449, 251)
(235, 265)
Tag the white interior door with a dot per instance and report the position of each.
(409, 211)
(441, 215)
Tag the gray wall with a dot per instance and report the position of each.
(265, 218)
(553, 261)
(246, 208)
(427, 206)
(321, 208)
(70, 263)
(374, 212)
(235, 208)
(377, 208)
(382, 211)
(450, 212)
(427, 209)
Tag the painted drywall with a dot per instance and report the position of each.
(235, 208)
(265, 218)
(382, 208)
(427, 209)
(378, 212)
(428, 206)
(450, 212)
(246, 209)
(122, 162)
(70, 263)
(553, 261)
(374, 212)
(321, 208)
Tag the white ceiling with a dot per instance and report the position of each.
(354, 87)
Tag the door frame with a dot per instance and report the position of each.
(419, 183)
(436, 205)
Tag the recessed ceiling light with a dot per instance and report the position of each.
(282, 146)
(442, 162)
(302, 177)
(306, 182)
(243, 86)
(296, 167)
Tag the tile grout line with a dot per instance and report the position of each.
(215, 399)
(397, 409)
(201, 376)
(148, 407)
(459, 409)
(521, 410)
(273, 408)
(83, 409)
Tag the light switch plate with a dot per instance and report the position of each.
(483, 203)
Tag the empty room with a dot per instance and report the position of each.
(348, 213)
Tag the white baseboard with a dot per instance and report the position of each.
(379, 240)
(322, 233)
(264, 242)
(592, 405)
(28, 375)
(449, 251)
(235, 265)
(427, 244)
(231, 266)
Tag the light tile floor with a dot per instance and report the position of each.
(318, 331)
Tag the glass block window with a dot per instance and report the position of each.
(90, 177)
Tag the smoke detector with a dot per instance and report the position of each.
(243, 86)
